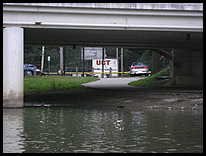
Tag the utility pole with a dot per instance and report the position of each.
(42, 59)
(117, 55)
(122, 68)
(61, 60)
(64, 63)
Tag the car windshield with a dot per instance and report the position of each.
(28, 65)
(138, 64)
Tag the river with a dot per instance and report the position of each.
(107, 130)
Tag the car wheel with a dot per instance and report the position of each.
(28, 73)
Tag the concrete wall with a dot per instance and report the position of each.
(188, 67)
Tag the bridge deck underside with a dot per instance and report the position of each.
(113, 38)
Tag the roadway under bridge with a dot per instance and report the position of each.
(157, 26)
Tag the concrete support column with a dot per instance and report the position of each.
(13, 69)
(188, 67)
(155, 62)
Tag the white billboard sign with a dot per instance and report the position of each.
(91, 53)
(108, 63)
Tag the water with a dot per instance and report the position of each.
(81, 130)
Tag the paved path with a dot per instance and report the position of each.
(112, 83)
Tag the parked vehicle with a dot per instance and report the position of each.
(138, 68)
(29, 70)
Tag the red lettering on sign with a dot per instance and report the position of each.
(99, 62)
(108, 62)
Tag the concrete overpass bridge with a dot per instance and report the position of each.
(167, 26)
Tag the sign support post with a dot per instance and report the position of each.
(102, 62)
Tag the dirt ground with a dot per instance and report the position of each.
(169, 98)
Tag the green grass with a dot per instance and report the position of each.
(150, 81)
(39, 84)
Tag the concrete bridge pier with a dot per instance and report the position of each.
(13, 60)
(155, 62)
(188, 67)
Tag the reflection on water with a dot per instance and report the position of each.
(64, 129)
(13, 127)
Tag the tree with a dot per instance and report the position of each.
(32, 55)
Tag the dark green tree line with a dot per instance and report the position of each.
(72, 57)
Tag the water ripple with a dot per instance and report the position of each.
(100, 130)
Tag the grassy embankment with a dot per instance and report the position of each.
(151, 81)
(41, 84)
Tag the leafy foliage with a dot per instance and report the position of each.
(72, 57)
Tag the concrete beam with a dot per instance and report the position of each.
(13, 75)
(153, 6)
